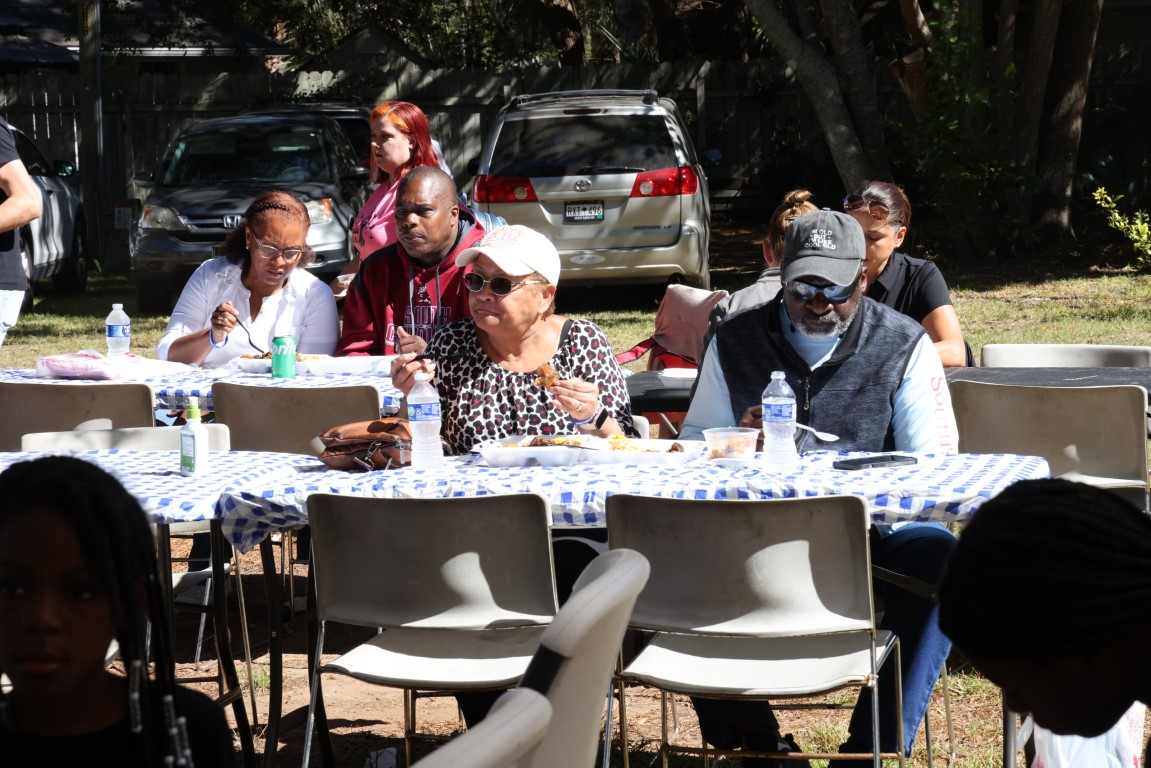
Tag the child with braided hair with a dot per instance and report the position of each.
(77, 570)
(1048, 594)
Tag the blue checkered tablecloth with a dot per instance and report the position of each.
(168, 497)
(178, 390)
(937, 489)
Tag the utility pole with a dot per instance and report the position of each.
(91, 127)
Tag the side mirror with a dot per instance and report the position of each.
(473, 166)
(64, 168)
(356, 173)
(144, 179)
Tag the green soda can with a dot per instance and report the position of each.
(283, 357)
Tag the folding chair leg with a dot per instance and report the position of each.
(607, 726)
(244, 635)
(203, 621)
(624, 744)
(316, 697)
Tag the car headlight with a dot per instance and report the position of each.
(159, 217)
(320, 211)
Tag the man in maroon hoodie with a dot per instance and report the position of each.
(405, 292)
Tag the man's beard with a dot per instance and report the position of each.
(817, 327)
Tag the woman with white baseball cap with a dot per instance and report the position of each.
(515, 367)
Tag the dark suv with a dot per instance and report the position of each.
(609, 176)
(216, 168)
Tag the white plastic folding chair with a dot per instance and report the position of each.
(161, 439)
(461, 587)
(1064, 356)
(572, 666)
(577, 655)
(33, 407)
(1094, 435)
(289, 420)
(509, 737)
(753, 599)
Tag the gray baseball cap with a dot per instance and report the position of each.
(826, 244)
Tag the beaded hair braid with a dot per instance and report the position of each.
(276, 204)
(117, 542)
(1046, 570)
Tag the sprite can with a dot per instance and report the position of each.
(283, 357)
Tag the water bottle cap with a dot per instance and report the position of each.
(421, 376)
(193, 412)
(117, 306)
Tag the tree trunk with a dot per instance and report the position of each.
(857, 79)
(1063, 117)
(820, 81)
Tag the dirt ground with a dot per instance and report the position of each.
(365, 718)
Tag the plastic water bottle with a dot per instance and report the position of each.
(118, 330)
(193, 444)
(779, 425)
(424, 422)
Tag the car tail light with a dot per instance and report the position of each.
(503, 189)
(666, 183)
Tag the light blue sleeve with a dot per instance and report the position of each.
(711, 406)
(924, 421)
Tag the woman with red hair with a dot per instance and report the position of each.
(401, 140)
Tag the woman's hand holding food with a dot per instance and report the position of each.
(404, 370)
(223, 320)
(579, 399)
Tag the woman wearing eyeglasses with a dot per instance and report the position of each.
(909, 285)
(488, 367)
(255, 290)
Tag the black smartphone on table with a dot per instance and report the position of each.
(879, 461)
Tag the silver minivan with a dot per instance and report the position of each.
(610, 176)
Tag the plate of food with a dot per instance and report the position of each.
(564, 450)
(533, 451)
(630, 450)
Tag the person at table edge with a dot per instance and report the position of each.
(256, 290)
(406, 291)
(870, 375)
(486, 366)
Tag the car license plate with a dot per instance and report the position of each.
(588, 210)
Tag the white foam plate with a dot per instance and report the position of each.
(509, 453)
(360, 364)
(262, 365)
(677, 378)
(650, 452)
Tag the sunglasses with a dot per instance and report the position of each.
(834, 294)
(500, 285)
(878, 211)
(271, 252)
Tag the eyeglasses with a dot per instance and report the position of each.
(270, 252)
(500, 285)
(878, 211)
(834, 294)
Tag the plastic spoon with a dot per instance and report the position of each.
(827, 437)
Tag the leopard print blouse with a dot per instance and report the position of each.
(481, 401)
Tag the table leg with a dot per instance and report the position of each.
(164, 569)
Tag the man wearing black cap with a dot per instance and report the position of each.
(870, 375)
